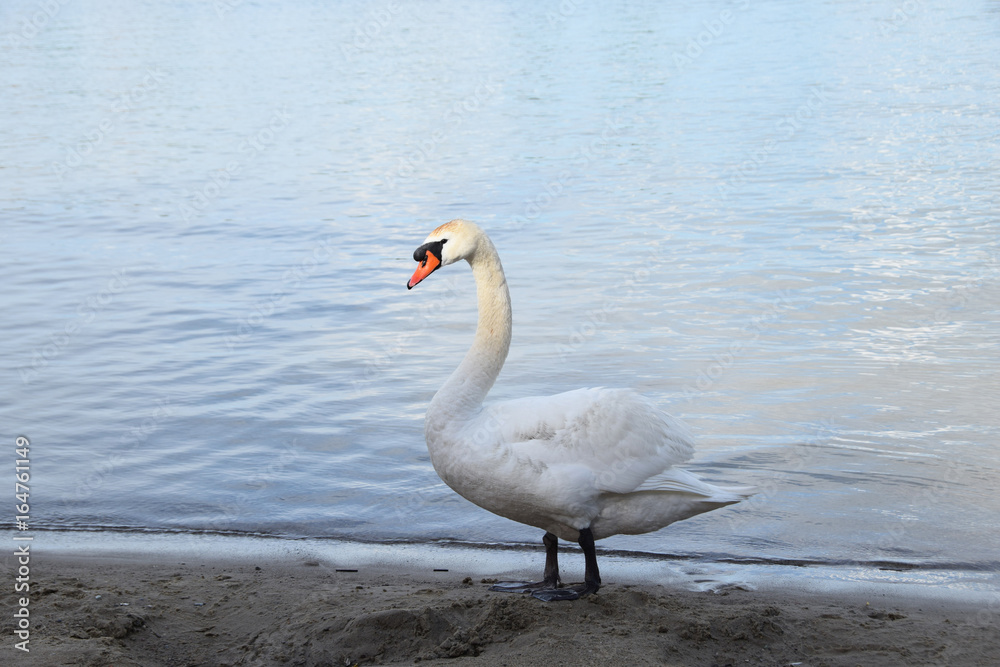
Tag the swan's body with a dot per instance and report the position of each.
(582, 465)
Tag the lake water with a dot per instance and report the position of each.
(776, 219)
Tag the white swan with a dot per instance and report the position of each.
(582, 465)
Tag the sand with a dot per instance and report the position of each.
(145, 612)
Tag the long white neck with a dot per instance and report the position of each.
(464, 392)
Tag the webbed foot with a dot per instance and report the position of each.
(522, 586)
(568, 593)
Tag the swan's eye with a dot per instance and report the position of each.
(425, 254)
(434, 247)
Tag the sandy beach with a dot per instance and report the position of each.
(144, 612)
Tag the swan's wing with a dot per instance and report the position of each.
(616, 433)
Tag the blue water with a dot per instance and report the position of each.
(778, 220)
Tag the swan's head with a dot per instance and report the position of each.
(447, 244)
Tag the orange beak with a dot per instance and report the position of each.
(426, 268)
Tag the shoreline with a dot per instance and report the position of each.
(975, 583)
(115, 606)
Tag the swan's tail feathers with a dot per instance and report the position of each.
(673, 495)
(651, 509)
(736, 493)
(732, 494)
(681, 481)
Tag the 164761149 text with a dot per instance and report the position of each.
(22, 550)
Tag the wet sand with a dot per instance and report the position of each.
(144, 612)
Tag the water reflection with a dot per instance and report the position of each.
(785, 235)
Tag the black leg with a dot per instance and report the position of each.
(591, 577)
(550, 578)
(551, 575)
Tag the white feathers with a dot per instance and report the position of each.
(598, 457)
(616, 433)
